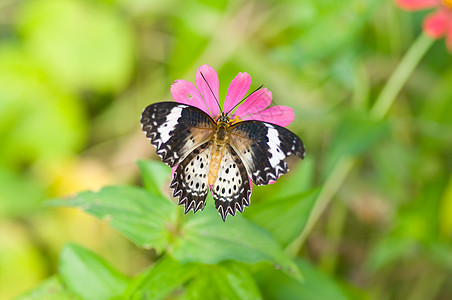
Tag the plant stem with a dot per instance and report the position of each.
(333, 234)
(331, 186)
(400, 76)
(378, 112)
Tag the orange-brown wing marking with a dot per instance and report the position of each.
(243, 146)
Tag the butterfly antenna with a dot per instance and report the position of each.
(245, 99)
(211, 91)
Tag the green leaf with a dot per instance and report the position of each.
(284, 218)
(224, 281)
(88, 275)
(163, 278)
(50, 289)
(146, 219)
(355, 135)
(298, 180)
(155, 175)
(276, 285)
(206, 239)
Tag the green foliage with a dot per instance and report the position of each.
(51, 289)
(293, 213)
(316, 286)
(198, 251)
(88, 276)
(229, 281)
(144, 218)
(150, 221)
(220, 281)
(154, 175)
(161, 279)
(238, 240)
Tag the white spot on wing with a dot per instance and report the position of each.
(170, 123)
(274, 146)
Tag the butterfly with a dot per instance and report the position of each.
(223, 155)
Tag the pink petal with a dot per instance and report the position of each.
(279, 115)
(256, 102)
(237, 90)
(435, 24)
(211, 77)
(185, 92)
(173, 169)
(210, 188)
(416, 4)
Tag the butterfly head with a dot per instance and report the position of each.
(222, 127)
(223, 119)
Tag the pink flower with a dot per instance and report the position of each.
(205, 93)
(437, 24)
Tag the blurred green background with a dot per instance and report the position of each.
(75, 76)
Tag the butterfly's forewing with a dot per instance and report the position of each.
(190, 181)
(176, 129)
(232, 189)
(263, 147)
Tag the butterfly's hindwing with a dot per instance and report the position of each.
(263, 148)
(175, 129)
(232, 188)
(190, 182)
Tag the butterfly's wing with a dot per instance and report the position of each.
(232, 188)
(176, 129)
(263, 148)
(190, 180)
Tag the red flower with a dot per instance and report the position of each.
(437, 24)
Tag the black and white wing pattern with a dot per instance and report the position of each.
(176, 129)
(185, 136)
(232, 188)
(190, 180)
(263, 148)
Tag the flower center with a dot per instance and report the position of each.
(237, 119)
(448, 3)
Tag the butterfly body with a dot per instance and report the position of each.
(220, 140)
(222, 156)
